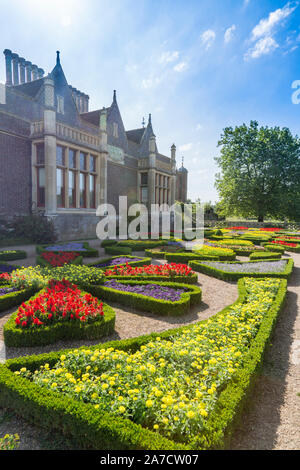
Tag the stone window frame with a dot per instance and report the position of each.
(77, 149)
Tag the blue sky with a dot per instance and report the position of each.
(196, 65)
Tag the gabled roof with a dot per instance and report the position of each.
(31, 88)
(136, 135)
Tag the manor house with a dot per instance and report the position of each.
(59, 157)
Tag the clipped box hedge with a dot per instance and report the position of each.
(233, 276)
(12, 299)
(118, 250)
(141, 245)
(12, 255)
(273, 247)
(18, 337)
(53, 411)
(150, 304)
(89, 253)
(257, 255)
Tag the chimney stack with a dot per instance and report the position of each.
(22, 70)
(41, 73)
(15, 62)
(34, 72)
(8, 60)
(28, 69)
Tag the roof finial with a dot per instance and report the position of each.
(57, 57)
(115, 97)
(143, 122)
(182, 161)
(149, 121)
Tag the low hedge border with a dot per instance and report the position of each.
(12, 255)
(273, 247)
(18, 337)
(265, 255)
(293, 249)
(89, 253)
(53, 411)
(118, 250)
(3, 263)
(233, 276)
(12, 299)
(141, 245)
(40, 261)
(186, 257)
(108, 242)
(149, 304)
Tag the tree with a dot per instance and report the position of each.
(260, 172)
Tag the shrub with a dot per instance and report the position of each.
(14, 298)
(10, 255)
(37, 228)
(118, 250)
(265, 255)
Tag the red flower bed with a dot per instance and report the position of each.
(60, 301)
(280, 242)
(270, 229)
(164, 270)
(5, 277)
(59, 259)
(237, 228)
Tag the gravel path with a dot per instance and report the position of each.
(271, 420)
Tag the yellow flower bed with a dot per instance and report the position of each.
(170, 386)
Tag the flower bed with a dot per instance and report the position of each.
(58, 259)
(120, 261)
(61, 311)
(130, 293)
(81, 247)
(10, 255)
(180, 389)
(38, 277)
(294, 247)
(170, 272)
(231, 271)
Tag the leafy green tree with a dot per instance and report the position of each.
(260, 172)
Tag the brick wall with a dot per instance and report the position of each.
(15, 175)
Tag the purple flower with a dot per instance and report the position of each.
(6, 268)
(113, 262)
(66, 247)
(150, 290)
(7, 290)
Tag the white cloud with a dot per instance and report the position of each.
(169, 56)
(150, 82)
(180, 67)
(229, 34)
(267, 25)
(263, 33)
(186, 147)
(208, 38)
(262, 47)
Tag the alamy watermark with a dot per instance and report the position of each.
(296, 94)
(137, 222)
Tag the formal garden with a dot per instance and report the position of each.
(180, 376)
